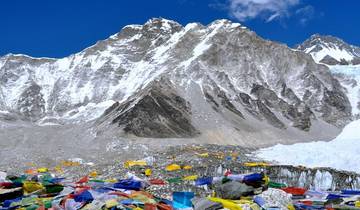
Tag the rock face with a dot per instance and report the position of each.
(164, 80)
(343, 61)
(331, 50)
(31, 103)
(233, 190)
(158, 112)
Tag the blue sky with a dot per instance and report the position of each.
(57, 28)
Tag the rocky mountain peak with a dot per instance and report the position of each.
(163, 24)
(216, 79)
(330, 50)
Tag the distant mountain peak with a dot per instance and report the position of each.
(162, 24)
(330, 50)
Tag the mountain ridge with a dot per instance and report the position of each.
(344, 70)
(330, 50)
(222, 72)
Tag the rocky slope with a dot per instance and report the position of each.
(343, 61)
(219, 83)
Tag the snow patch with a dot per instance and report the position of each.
(88, 112)
(4, 112)
(203, 45)
(353, 91)
(12, 90)
(133, 26)
(308, 50)
(333, 51)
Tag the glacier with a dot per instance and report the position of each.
(341, 153)
(349, 77)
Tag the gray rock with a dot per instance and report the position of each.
(206, 204)
(329, 60)
(159, 113)
(233, 190)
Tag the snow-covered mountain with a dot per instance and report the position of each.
(341, 152)
(343, 61)
(330, 50)
(219, 82)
